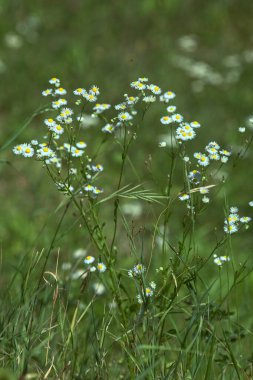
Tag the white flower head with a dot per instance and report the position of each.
(89, 259)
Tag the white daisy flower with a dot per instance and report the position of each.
(97, 191)
(90, 97)
(224, 159)
(28, 151)
(225, 152)
(60, 91)
(177, 117)
(184, 197)
(204, 160)
(94, 89)
(81, 144)
(195, 124)
(50, 122)
(47, 92)
(75, 152)
(124, 116)
(54, 81)
(168, 95)
(171, 109)
(166, 120)
(18, 149)
(79, 91)
(89, 259)
(214, 157)
(155, 89)
(245, 219)
(149, 99)
(139, 269)
(251, 203)
(101, 267)
(57, 129)
(120, 106)
(34, 142)
(108, 128)
(205, 199)
(97, 168)
(45, 152)
(88, 188)
(149, 292)
(242, 129)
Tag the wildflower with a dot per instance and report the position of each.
(197, 155)
(214, 157)
(224, 159)
(80, 91)
(131, 99)
(233, 209)
(214, 144)
(18, 149)
(121, 106)
(186, 158)
(94, 90)
(225, 152)
(168, 95)
(93, 269)
(184, 197)
(211, 149)
(203, 190)
(50, 122)
(28, 151)
(166, 120)
(97, 168)
(149, 292)
(65, 112)
(76, 152)
(60, 91)
(124, 116)
(155, 89)
(204, 160)
(177, 117)
(230, 229)
(57, 129)
(88, 188)
(101, 267)
(139, 269)
(245, 219)
(34, 142)
(171, 109)
(99, 108)
(185, 133)
(149, 99)
(54, 81)
(81, 144)
(251, 203)
(143, 79)
(97, 191)
(47, 92)
(153, 285)
(195, 124)
(56, 104)
(205, 199)
(220, 260)
(89, 259)
(108, 128)
(242, 129)
(45, 152)
(162, 144)
(137, 85)
(91, 97)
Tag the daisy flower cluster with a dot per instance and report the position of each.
(213, 153)
(220, 260)
(146, 291)
(90, 260)
(233, 221)
(62, 149)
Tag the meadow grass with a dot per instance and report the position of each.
(151, 295)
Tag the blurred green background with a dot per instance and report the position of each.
(202, 50)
